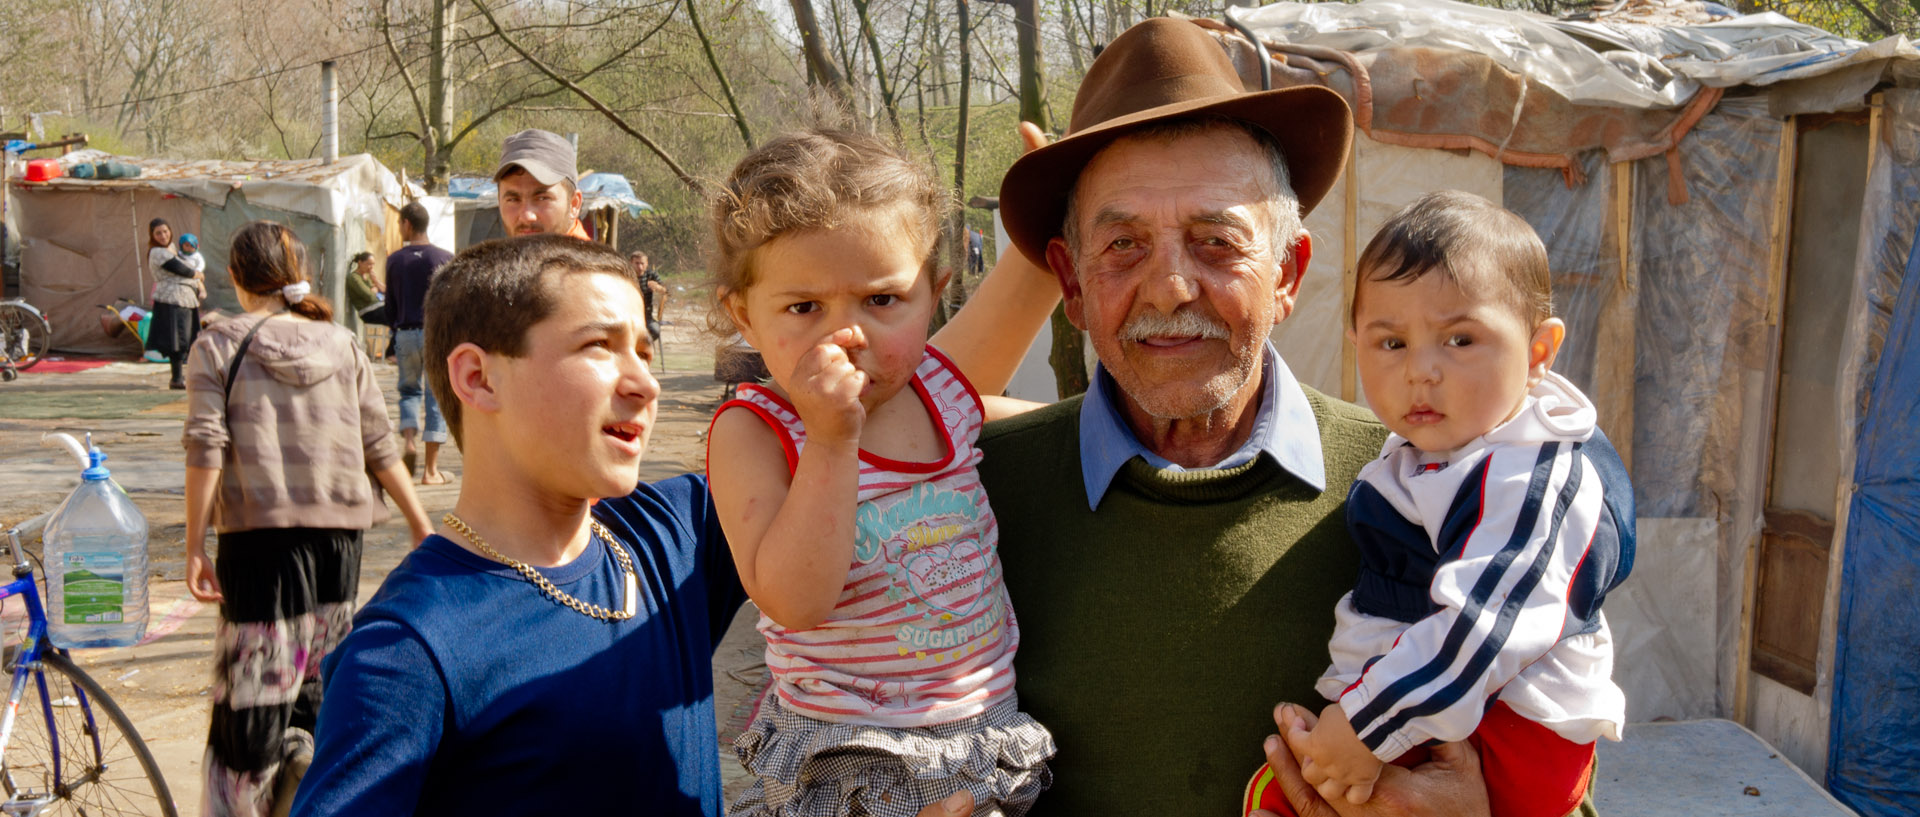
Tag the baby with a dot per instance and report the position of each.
(190, 255)
(1491, 528)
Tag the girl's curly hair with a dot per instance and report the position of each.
(815, 180)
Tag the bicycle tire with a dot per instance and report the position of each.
(120, 778)
(17, 317)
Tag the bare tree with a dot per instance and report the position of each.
(821, 71)
(573, 85)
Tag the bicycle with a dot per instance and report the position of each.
(25, 335)
(65, 747)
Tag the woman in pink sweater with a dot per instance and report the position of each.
(284, 424)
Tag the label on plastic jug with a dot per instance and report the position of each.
(94, 588)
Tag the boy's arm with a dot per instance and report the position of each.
(1523, 532)
(382, 723)
(991, 333)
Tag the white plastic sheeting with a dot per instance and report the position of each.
(1386, 178)
(1589, 63)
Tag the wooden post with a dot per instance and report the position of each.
(1777, 236)
(1614, 338)
(1349, 258)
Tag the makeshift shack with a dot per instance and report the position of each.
(83, 242)
(604, 198)
(1730, 204)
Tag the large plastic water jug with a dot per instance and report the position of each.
(95, 555)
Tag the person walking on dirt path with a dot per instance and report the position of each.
(539, 188)
(542, 653)
(409, 271)
(653, 292)
(176, 301)
(284, 423)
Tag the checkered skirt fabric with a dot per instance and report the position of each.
(810, 768)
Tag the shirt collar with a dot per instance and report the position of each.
(1284, 429)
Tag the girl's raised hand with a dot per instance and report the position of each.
(826, 389)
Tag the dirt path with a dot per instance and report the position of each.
(163, 684)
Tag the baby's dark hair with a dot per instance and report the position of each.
(1452, 232)
(815, 180)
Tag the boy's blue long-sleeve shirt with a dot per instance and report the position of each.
(463, 689)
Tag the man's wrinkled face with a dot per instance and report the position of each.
(528, 207)
(1177, 275)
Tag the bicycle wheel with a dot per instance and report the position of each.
(24, 335)
(105, 768)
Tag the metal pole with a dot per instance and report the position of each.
(329, 114)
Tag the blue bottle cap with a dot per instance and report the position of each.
(96, 471)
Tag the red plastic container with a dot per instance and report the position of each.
(40, 170)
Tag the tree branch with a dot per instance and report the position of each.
(617, 120)
(706, 46)
(406, 77)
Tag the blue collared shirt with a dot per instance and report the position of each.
(1283, 428)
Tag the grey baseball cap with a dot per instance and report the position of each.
(545, 155)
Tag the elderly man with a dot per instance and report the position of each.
(1174, 542)
(539, 189)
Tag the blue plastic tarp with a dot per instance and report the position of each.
(1873, 762)
(614, 187)
(466, 187)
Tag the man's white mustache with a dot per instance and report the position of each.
(1183, 323)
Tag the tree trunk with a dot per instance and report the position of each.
(1033, 88)
(820, 70)
(959, 231)
(440, 99)
(1068, 356)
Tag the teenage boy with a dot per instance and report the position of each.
(533, 657)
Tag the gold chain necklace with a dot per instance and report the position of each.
(540, 581)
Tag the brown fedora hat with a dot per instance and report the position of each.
(1162, 69)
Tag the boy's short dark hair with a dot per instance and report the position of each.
(1452, 232)
(491, 293)
(415, 215)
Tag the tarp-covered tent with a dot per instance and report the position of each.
(1729, 204)
(83, 241)
(604, 198)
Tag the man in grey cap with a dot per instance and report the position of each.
(539, 187)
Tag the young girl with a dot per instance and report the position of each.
(848, 492)
(284, 421)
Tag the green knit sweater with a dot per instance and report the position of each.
(1157, 634)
